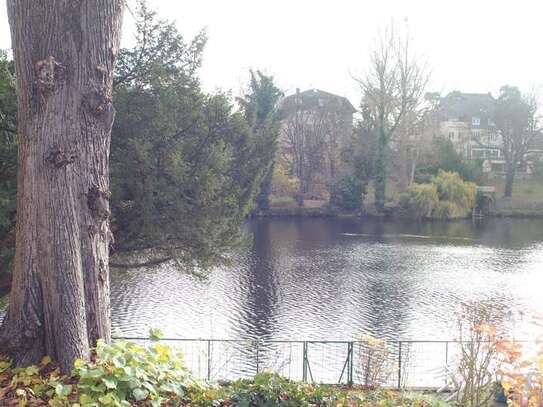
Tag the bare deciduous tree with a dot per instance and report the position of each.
(311, 139)
(393, 88)
(517, 123)
(303, 135)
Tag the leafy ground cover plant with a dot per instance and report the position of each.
(121, 374)
(128, 374)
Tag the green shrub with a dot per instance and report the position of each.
(420, 200)
(126, 372)
(120, 374)
(272, 390)
(346, 192)
(451, 187)
(443, 156)
(446, 196)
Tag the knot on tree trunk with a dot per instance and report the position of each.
(98, 203)
(59, 158)
(48, 71)
(102, 271)
(98, 102)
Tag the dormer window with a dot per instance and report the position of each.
(475, 121)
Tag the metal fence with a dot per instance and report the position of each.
(400, 364)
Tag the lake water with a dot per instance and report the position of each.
(339, 279)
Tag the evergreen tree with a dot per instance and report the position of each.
(260, 109)
(185, 165)
(8, 162)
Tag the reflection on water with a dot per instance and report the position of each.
(340, 279)
(326, 279)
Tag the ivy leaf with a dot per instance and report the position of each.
(4, 365)
(139, 394)
(107, 399)
(63, 390)
(119, 361)
(93, 373)
(32, 370)
(110, 382)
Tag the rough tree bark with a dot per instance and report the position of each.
(64, 54)
(510, 171)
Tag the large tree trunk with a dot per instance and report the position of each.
(509, 179)
(64, 54)
(263, 197)
(380, 169)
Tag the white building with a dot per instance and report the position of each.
(467, 120)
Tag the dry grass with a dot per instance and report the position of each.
(527, 194)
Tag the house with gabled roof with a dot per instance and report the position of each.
(316, 126)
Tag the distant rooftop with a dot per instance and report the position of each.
(465, 106)
(314, 98)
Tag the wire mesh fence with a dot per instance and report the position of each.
(400, 364)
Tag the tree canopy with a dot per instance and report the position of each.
(186, 166)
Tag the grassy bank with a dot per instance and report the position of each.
(526, 200)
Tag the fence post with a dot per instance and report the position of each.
(208, 360)
(304, 365)
(350, 357)
(399, 364)
(447, 364)
(257, 359)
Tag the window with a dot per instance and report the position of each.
(451, 135)
(476, 134)
(477, 153)
(475, 121)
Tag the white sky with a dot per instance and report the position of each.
(471, 45)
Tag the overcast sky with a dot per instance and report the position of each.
(471, 45)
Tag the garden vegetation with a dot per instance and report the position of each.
(446, 196)
(128, 374)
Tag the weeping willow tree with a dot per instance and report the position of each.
(446, 196)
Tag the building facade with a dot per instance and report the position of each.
(316, 127)
(466, 119)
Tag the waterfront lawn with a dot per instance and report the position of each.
(527, 194)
